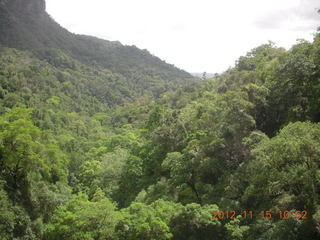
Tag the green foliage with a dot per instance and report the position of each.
(7, 216)
(83, 219)
(286, 169)
(235, 231)
(19, 141)
(84, 128)
(142, 222)
(194, 222)
(288, 165)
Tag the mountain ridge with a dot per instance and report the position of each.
(26, 25)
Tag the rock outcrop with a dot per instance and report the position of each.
(27, 6)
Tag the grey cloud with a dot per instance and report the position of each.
(306, 12)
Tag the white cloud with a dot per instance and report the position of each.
(299, 17)
(196, 35)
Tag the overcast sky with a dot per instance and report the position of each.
(195, 35)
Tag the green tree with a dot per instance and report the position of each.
(284, 174)
(141, 222)
(82, 219)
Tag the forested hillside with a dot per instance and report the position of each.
(104, 141)
(25, 25)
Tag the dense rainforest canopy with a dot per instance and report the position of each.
(104, 141)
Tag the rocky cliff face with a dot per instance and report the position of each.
(24, 23)
(29, 6)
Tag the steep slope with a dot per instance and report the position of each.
(24, 24)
